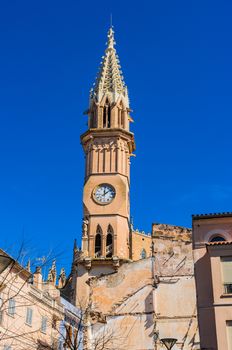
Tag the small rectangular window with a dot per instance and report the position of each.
(29, 316)
(226, 263)
(44, 324)
(1, 311)
(1, 317)
(229, 333)
(11, 307)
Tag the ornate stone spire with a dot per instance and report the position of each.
(62, 278)
(28, 266)
(110, 80)
(52, 273)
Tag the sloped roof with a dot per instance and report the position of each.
(219, 243)
(212, 215)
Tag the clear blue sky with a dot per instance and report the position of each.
(176, 58)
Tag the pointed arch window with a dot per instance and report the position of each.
(98, 242)
(107, 115)
(109, 242)
(143, 254)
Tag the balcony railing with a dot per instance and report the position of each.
(228, 288)
(98, 254)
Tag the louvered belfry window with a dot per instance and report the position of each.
(106, 115)
(98, 242)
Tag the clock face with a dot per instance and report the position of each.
(104, 193)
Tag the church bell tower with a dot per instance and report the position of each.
(108, 145)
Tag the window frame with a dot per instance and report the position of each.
(10, 307)
(228, 332)
(44, 321)
(29, 316)
(227, 285)
(7, 347)
(1, 311)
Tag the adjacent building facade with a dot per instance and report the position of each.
(212, 247)
(33, 315)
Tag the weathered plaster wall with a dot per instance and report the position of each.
(152, 295)
(110, 291)
(173, 250)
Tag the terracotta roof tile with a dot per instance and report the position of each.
(219, 243)
(212, 215)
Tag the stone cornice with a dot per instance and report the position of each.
(108, 133)
(46, 299)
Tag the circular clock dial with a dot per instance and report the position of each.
(104, 193)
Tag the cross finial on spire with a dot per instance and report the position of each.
(111, 20)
